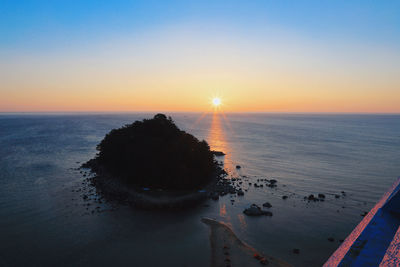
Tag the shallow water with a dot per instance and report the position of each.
(45, 221)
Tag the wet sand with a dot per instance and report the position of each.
(228, 250)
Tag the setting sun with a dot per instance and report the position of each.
(216, 101)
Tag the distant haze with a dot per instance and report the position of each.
(279, 56)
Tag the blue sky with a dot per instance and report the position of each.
(29, 24)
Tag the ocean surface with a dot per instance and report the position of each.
(44, 221)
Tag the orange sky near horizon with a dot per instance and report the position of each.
(175, 69)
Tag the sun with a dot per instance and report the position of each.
(216, 101)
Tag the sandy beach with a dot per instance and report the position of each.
(228, 250)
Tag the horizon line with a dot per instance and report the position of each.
(194, 112)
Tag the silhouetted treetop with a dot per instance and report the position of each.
(156, 153)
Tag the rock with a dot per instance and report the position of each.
(284, 197)
(238, 167)
(364, 213)
(268, 213)
(218, 153)
(273, 181)
(296, 251)
(331, 239)
(321, 195)
(313, 198)
(264, 261)
(267, 205)
(240, 193)
(337, 196)
(255, 210)
(257, 256)
(223, 172)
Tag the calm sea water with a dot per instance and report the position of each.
(45, 222)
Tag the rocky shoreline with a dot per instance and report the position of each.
(114, 189)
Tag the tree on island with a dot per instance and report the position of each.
(155, 153)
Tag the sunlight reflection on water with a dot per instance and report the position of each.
(217, 138)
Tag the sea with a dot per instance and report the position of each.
(44, 221)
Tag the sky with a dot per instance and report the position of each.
(257, 56)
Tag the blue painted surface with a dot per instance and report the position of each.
(372, 244)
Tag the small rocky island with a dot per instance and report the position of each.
(152, 163)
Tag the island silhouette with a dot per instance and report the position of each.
(152, 163)
(155, 153)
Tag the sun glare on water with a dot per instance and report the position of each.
(216, 101)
